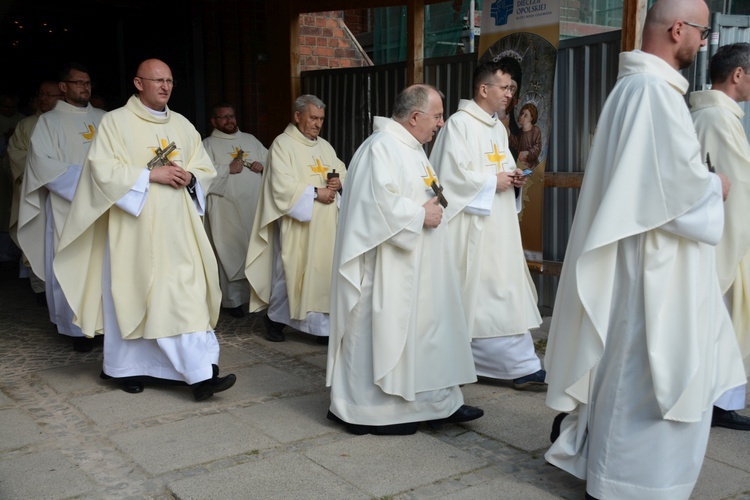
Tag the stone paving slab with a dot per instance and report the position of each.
(520, 420)
(5, 400)
(41, 475)
(74, 378)
(716, 480)
(117, 407)
(191, 442)
(267, 437)
(291, 419)
(18, 430)
(386, 465)
(502, 488)
(730, 447)
(280, 477)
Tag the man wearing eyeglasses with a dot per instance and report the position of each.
(717, 117)
(291, 249)
(399, 347)
(641, 345)
(134, 257)
(473, 160)
(18, 148)
(231, 202)
(59, 144)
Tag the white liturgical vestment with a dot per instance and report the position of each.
(498, 294)
(640, 344)
(230, 209)
(59, 144)
(399, 347)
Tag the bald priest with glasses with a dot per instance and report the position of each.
(134, 258)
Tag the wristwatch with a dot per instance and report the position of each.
(315, 194)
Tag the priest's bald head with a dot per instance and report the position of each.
(154, 82)
(675, 30)
(419, 109)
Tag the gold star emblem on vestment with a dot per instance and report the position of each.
(89, 134)
(319, 169)
(430, 177)
(496, 157)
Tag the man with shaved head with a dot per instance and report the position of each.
(640, 344)
(134, 258)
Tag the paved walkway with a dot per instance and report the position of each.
(64, 433)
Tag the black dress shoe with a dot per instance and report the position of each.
(132, 386)
(404, 429)
(207, 388)
(236, 312)
(556, 423)
(83, 344)
(274, 331)
(465, 413)
(730, 419)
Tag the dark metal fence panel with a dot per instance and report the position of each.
(586, 72)
(353, 96)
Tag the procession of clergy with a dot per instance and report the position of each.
(411, 269)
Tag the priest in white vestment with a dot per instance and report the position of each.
(640, 344)
(291, 249)
(18, 148)
(231, 202)
(399, 346)
(61, 139)
(717, 117)
(134, 259)
(473, 161)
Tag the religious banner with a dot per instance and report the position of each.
(525, 35)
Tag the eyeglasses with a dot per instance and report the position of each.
(437, 118)
(224, 117)
(160, 81)
(504, 88)
(81, 83)
(705, 30)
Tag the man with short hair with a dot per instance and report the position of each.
(472, 159)
(61, 139)
(291, 249)
(134, 258)
(18, 148)
(640, 344)
(717, 117)
(231, 202)
(399, 347)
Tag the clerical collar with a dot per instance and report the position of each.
(160, 114)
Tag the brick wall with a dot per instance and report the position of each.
(326, 42)
(356, 20)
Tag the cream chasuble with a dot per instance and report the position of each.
(230, 209)
(18, 148)
(164, 273)
(294, 162)
(717, 122)
(399, 346)
(498, 294)
(640, 343)
(60, 141)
